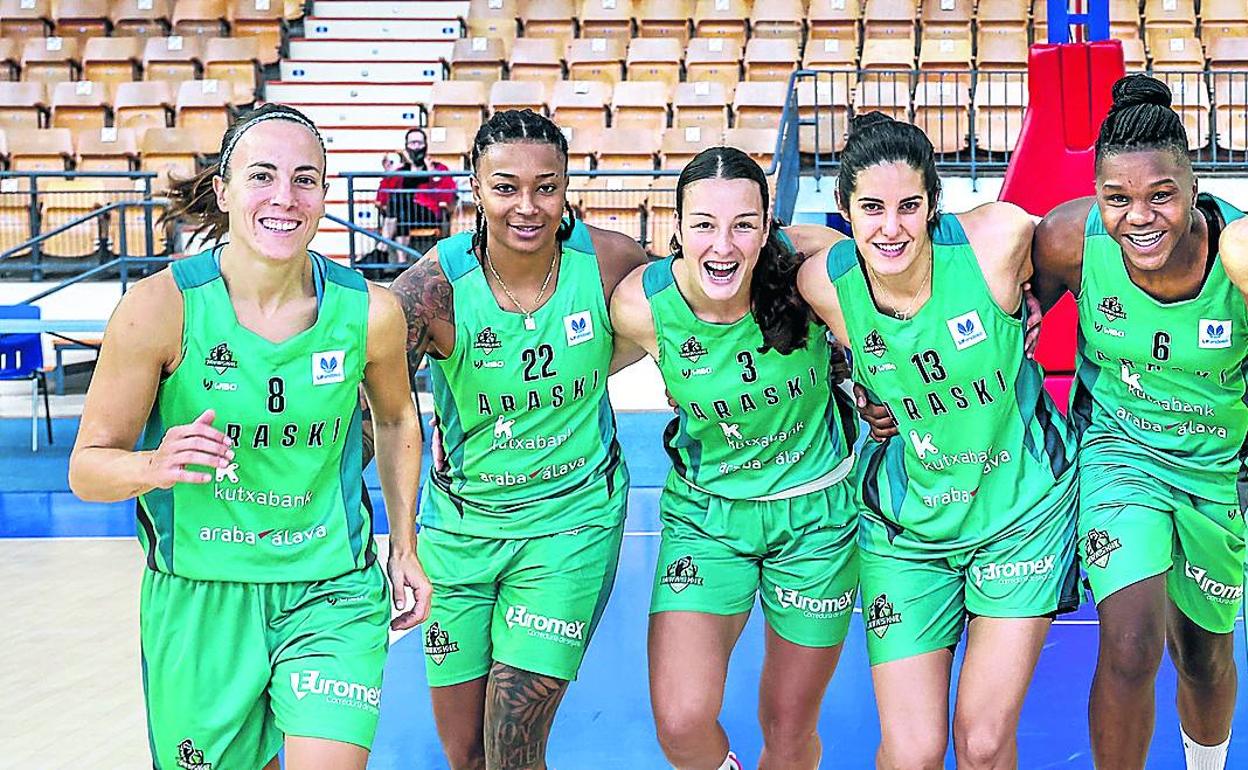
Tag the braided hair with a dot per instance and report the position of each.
(515, 127)
(781, 313)
(875, 138)
(1141, 119)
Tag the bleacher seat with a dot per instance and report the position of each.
(10, 59)
(947, 18)
(141, 18)
(580, 103)
(478, 58)
(661, 205)
(1222, 18)
(50, 59)
(1174, 15)
(640, 105)
(23, 105)
(942, 110)
(883, 92)
(1124, 19)
(143, 104)
(717, 60)
(771, 58)
(39, 149)
(1002, 48)
(607, 18)
(1002, 13)
(493, 19)
(106, 149)
(80, 105)
(826, 101)
(62, 201)
(829, 18)
(173, 152)
(539, 59)
(887, 53)
(25, 19)
(778, 19)
(518, 95)
(889, 19)
(112, 59)
(701, 104)
(549, 18)
(654, 59)
(758, 143)
(680, 144)
(999, 107)
(1040, 21)
(599, 58)
(235, 59)
(722, 18)
(666, 18)
(15, 218)
(458, 104)
(583, 144)
(1173, 50)
(1230, 93)
(80, 19)
(199, 18)
(1190, 98)
(1133, 55)
(837, 51)
(174, 58)
(759, 104)
(204, 106)
(624, 149)
(449, 146)
(947, 58)
(260, 19)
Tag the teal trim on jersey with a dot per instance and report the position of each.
(949, 232)
(350, 468)
(655, 278)
(842, 257)
(580, 239)
(155, 523)
(783, 237)
(456, 257)
(193, 272)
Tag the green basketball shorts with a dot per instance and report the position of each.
(801, 553)
(1133, 526)
(229, 669)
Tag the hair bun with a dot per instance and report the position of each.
(867, 120)
(1137, 89)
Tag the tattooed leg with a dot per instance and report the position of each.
(519, 709)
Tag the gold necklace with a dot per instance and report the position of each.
(529, 322)
(902, 315)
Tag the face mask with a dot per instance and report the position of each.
(417, 157)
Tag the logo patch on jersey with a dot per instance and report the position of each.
(692, 350)
(967, 330)
(502, 427)
(329, 366)
(1112, 309)
(191, 758)
(221, 358)
(924, 446)
(681, 574)
(881, 615)
(579, 327)
(1099, 546)
(487, 341)
(438, 644)
(732, 430)
(874, 344)
(228, 387)
(1215, 334)
(1103, 329)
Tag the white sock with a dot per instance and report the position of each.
(732, 763)
(1204, 757)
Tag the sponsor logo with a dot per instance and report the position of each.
(221, 358)
(227, 387)
(578, 327)
(687, 373)
(1214, 333)
(1112, 309)
(487, 364)
(1103, 329)
(990, 460)
(813, 607)
(692, 350)
(336, 691)
(438, 644)
(1216, 591)
(278, 538)
(924, 446)
(328, 367)
(336, 600)
(874, 344)
(731, 430)
(553, 629)
(228, 473)
(191, 758)
(1131, 379)
(881, 615)
(502, 427)
(873, 369)
(487, 341)
(949, 496)
(681, 574)
(238, 494)
(1021, 571)
(1099, 546)
(967, 330)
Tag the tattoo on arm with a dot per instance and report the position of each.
(519, 709)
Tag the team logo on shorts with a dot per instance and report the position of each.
(221, 358)
(191, 758)
(692, 350)
(880, 615)
(438, 644)
(1099, 546)
(487, 341)
(874, 344)
(1112, 309)
(681, 574)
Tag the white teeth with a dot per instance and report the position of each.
(1145, 240)
(891, 248)
(279, 225)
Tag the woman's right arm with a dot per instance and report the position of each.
(630, 317)
(1057, 252)
(142, 342)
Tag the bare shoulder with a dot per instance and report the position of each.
(630, 310)
(1233, 251)
(148, 319)
(1059, 237)
(383, 307)
(425, 298)
(997, 224)
(618, 255)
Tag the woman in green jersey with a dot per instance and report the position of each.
(521, 524)
(968, 513)
(264, 614)
(758, 503)
(1160, 275)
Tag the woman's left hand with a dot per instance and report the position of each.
(406, 574)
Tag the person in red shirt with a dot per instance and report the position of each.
(409, 202)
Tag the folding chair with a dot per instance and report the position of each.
(21, 358)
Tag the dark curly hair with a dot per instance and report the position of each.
(1141, 118)
(781, 313)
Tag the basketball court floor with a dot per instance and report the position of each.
(70, 689)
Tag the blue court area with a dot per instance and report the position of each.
(605, 721)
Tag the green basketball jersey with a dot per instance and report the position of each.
(524, 412)
(980, 442)
(289, 506)
(1161, 385)
(748, 424)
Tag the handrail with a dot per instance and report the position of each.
(93, 214)
(354, 228)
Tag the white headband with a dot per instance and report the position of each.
(224, 163)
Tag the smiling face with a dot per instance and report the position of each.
(722, 229)
(275, 196)
(889, 211)
(1146, 199)
(522, 186)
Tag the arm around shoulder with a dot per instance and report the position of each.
(1057, 251)
(618, 255)
(1233, 251)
